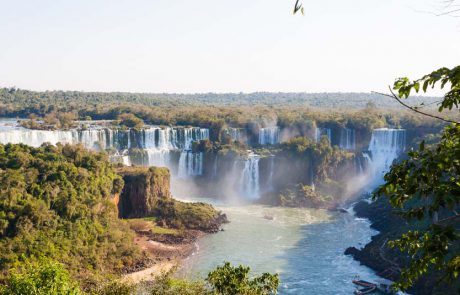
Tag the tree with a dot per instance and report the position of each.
(425, 187)
(230, 280)
(44, 278)
(130, 120)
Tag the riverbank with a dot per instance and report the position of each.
(164, 250)
(387, 262)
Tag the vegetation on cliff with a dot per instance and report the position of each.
(143, 188)
(56, 203)
(199, 216)
(425, 188)
(146, 193)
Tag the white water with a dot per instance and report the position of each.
(190, 164)
(320, 132)
(269, 135)
(250, 186)
(157, 142)
(385, 146)
(347, 139)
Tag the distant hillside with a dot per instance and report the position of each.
(16, 97)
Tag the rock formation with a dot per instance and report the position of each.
(143, 188)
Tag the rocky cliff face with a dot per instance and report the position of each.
(388, 262)
(143, 188)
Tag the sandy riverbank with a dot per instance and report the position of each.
(166, 252)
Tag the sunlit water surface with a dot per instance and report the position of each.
(305, 246)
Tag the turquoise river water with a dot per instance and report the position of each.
(305, 246)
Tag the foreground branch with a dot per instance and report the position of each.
(394, 96)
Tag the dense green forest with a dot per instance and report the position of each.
(56, 203)
(18, 97)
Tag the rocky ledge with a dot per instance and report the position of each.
(388, 262)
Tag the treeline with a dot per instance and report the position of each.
(320, 100)
(214, 110)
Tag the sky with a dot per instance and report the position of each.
(192, 46)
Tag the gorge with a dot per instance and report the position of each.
(235, 179)
(240, 174)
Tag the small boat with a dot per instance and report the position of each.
(366, 290)
(363, 283)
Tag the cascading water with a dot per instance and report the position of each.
(250, 187)
(190, 163)
(320, 132)
(156, 142)
(269, 135)
(347, 139)
(385, 146)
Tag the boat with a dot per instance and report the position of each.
(363, 283)
(366, 290)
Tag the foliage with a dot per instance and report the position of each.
(301, 196)
(426, 187)
(444, 76)
(56, 202)
(165, 284)
(325, 159)
(114, 288)
(52, 120)
(130, 120)
(235, 280)
(213, 111)
(200, 216)
(43, 278)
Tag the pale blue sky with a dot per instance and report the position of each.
(221, 45)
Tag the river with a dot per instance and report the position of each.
(305, 246)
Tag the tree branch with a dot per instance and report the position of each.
(394, 96)
(448, 218)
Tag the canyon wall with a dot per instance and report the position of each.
(143, 188)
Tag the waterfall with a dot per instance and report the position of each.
(190, 164)
(385, 146)
(157, 142)
(36, 138)
(320, 132)
(347, 139)
(250, 178)
(269, 135)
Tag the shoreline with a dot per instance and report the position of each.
(385, 261)
(166, 252)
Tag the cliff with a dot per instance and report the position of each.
(388, 262)
(143, 188)
(146, 193)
